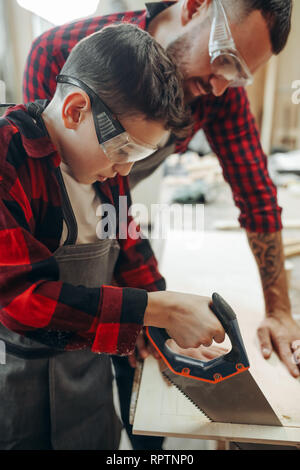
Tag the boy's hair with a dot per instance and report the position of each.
(132, 73)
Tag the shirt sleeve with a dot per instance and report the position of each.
(34, 303)
(41, 69)
(51, 49)
(234, 137)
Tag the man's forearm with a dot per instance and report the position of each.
(268, 251)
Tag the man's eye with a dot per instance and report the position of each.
(225, 61)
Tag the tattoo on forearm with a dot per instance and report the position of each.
(267, 249)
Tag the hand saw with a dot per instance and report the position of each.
(222, 388)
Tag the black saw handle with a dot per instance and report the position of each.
(216, 370)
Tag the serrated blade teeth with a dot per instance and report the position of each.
(186, 396)
(237, 400)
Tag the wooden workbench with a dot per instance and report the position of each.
(219, 263)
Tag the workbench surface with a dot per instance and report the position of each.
(223, 263)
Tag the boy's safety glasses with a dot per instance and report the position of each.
(226, 61)
(116, 143)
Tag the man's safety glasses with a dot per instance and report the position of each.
(225, 59)
(116, 143)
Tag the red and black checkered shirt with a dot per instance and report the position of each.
(33, 302)
(227, 120)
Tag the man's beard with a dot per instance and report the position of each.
(179, 51)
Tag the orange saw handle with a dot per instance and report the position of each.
(216, 370)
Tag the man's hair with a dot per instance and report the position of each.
(277, 14)
(132, 73)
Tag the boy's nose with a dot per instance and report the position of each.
(123, 169)
(219, 85)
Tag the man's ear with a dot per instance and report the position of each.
(190, 7)
(74, 108)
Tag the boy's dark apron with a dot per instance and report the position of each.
(61, 400)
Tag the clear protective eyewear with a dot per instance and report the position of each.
(116, 143)
(226, 61)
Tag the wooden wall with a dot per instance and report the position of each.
(271, 95)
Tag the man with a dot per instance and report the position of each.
(60, 161)
(187, 30)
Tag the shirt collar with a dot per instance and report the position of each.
(28, 122)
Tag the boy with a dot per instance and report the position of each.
(117, 95)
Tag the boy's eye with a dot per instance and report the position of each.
(122, 153)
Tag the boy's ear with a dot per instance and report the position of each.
(75, 105)
(190, 7)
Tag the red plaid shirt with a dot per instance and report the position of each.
(227, 121)
(33, 302)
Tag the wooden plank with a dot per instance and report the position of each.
(234, 224)
(222, 263)
(163, 411)
(2, 92)
(291, 241)
(292, 250)
(135, 390)
(269, 102)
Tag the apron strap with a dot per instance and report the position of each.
(68, 213)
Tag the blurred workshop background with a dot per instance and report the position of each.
(196, 176)
(278, 117)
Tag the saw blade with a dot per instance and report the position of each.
(237, 400)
